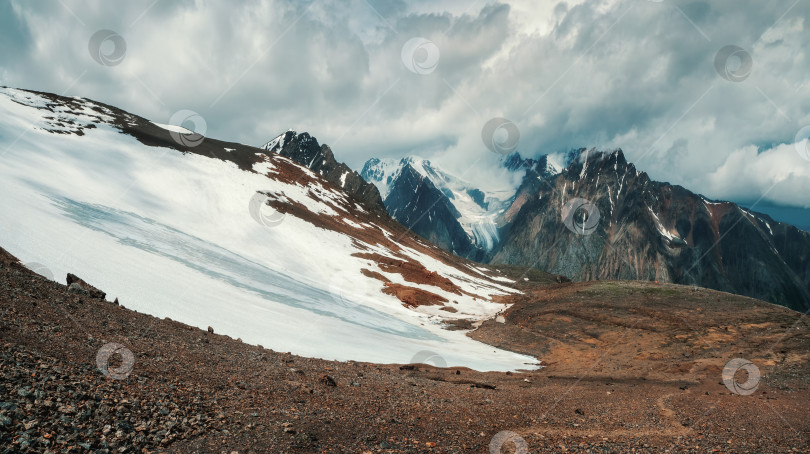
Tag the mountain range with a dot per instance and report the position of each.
(635, 228)
(591, 215)
(262, 298)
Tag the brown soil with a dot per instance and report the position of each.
(412, 271)
(631, 367)
(413, 297)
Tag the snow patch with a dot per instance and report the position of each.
(174, 128)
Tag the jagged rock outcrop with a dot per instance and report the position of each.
(305, 150)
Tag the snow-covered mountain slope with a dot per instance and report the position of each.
(222, 234)
(470, 214)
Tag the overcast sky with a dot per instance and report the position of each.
(654, 78)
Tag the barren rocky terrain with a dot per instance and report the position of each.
(629, 367)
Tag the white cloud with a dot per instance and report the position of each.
(778, 175)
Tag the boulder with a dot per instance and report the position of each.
(76, 284)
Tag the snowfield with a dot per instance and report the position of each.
(171, 235)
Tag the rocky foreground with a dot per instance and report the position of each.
(630, 367)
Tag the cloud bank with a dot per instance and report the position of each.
(635, 74)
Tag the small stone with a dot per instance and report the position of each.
(327, 380)
(77, 289)
(211, 330)
(288, 428)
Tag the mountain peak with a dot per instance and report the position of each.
(515, 162)
(278, 142)
(305, 150)
(590, 161)
(543, 166)
(437, 205)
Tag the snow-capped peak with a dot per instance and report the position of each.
(278, 143)
(478, 210)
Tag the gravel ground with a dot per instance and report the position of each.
(190, 390)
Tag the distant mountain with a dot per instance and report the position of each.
(622, 225)
(544, 166)
(592, 215)
(440, 207)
